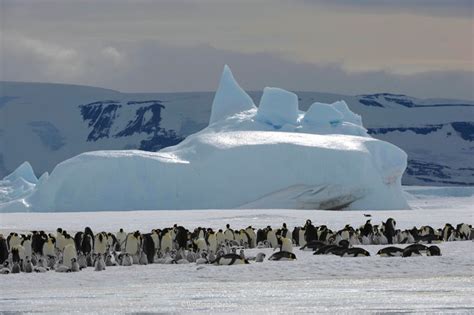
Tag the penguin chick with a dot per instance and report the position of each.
(75, 265)
(260, 257)
(99, 263)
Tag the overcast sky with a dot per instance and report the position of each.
(421, 48)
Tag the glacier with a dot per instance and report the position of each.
(273, 156)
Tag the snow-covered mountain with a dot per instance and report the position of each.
(48, 123)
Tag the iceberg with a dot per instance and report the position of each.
(271, 157)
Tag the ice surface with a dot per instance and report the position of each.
(278, 107)
(252, 157)
(24, 171)
(311, 284)
(324, 114)
(349, 115)
(230, 98)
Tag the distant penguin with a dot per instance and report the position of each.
(110, 261)
(228, 233)
(75, 265)
(26, 243)
(355, 252)
(272, 239)
(282, 256)
(301, 237)
(433, 251)
(16, 267)
(5, 269)
(62, 268)
(148, 247)
(14, 240)
(3, 249)
(100, 243)
(203, 259)
(69, 254)
(253, 237)
(127, 260)
(230, 259)
(132, 244)
(212, 241)
(414, 250)
(82, 260)
(166, 241)
(389, 230)
(391, 251)
(28, 266)
(48, 248)
(286, 245)
(121, 237)
(220, 237)
(260, 257)
(99, 264)
(201, 244)
(464, 231)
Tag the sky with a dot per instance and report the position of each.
(422, 48)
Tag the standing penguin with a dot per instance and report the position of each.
(271, 237)
(148, 248)
(229, 233)
(389, 230)
(69, 254)
(3, 249)
(121, 237)
(166, 241)
(100, 243)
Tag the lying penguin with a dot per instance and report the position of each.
(230, 259)
(286, 251)
(390, 251)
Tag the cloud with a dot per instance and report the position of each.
(437, 8)
(151, 66)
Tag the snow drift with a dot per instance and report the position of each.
(271, 157)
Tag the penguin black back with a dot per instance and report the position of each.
(149, 247)
(3, 250)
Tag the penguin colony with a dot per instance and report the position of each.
(41, 252)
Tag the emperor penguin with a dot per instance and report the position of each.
(127, 260)
(156, 239)
(3, 249)
(212, 241)
(229, 233)
(75, 265)
(220, 237)
(14, 240)
(464, 231)
(282, 256)
(166, 241)
(201, 244)
(272, 239)
(28, 266)
(148, 247)
(100, 243)
(121, 237)
(132, 244)
(286, 245)
(26, 243)
(391, 251)
(59, 239)
(99, 264)
(48, 248)
(301, 238)
(260, 257)
(230, 259)
(253, 237)
(69, 254)
(16, 267)
(5, 269)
